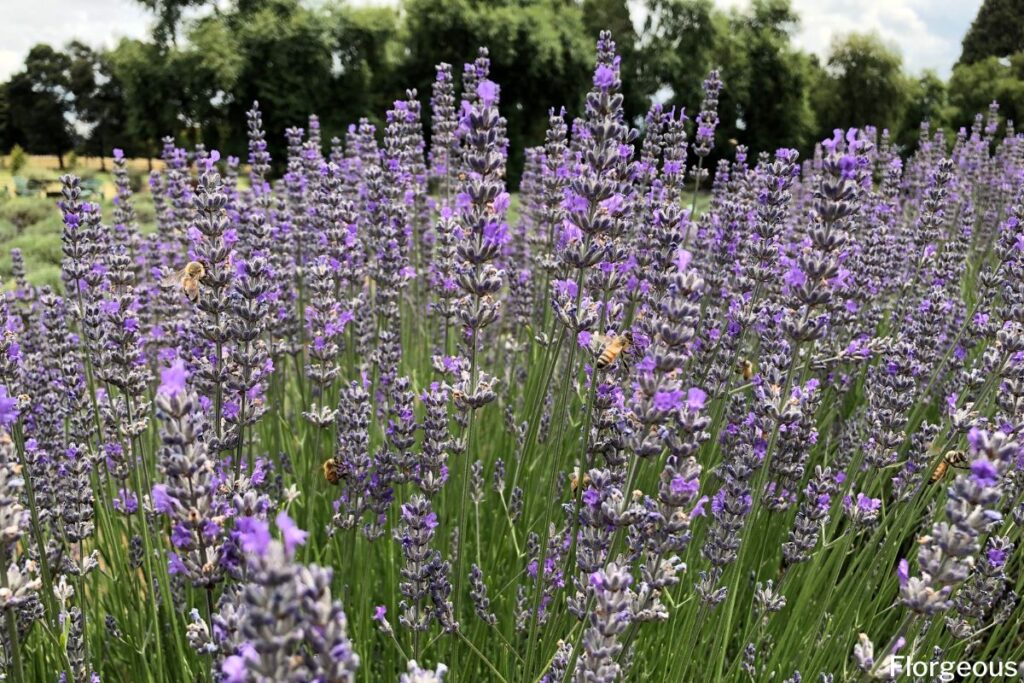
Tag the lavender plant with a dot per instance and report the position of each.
(577, 432)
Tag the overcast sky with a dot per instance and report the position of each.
(928, 32)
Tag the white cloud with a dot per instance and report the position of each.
(926, 32)
(94, 22)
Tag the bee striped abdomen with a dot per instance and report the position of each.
(609, 349)
(940, 471)
(951, 459)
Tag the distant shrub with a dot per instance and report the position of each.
(7, 231)
(71, 161)
(137, 180)
(21, 212)
(40, 174)
(145, 213)
(18, 159)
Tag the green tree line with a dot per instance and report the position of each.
(204, 64)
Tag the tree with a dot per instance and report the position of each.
(680, 44)
(863, 85)
(40, 103)
(973, 86)
(765, 99)
(6, 141)
(364, 44)
(99, 103)
(286, 63)
(927, 100)
(539, 52)
(151, 92)
(168, 17)
(997, 31)
(207, 71)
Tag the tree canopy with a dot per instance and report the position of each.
(862, 83)
(206, 62)
(997, 31)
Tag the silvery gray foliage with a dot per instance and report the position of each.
(609, 618)
(285, 622)
(948, 555)
(425, 585)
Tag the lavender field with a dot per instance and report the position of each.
(362, 423)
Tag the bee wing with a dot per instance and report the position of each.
(598, 341)
(173, 279)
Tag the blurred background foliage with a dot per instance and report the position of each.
(205, 62)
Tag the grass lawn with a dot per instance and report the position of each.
(33, 224)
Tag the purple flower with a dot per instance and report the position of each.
(254, 535)
(162, 501)
(604, 77)
(502, 202)
(172, 379)
(487, 91)
(903, 572)
(430, 521)
(976, 438)
(181, 537)
(868, 504)
(8, 407)
(234, 668)
(698, 508)
(983, 472)
(379, 612)
(794, 277)
(683, 258)
(291, 534)
(695, 399)
(996, 557)
(591, 497)
(668, 400)
(175, 565)
(680, 486)
(126, 502)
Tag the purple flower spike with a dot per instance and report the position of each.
(695, 399)
(8, 407)
(487, 91)
(291, 534)
(172, 379)
(984, 472)
(254, 535)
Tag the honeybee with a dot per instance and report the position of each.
(188, 279)
(331, 473)
(745, 368)
(952, 459)
(609, 348)
(574, 480)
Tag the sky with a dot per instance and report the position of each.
(927, 32)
